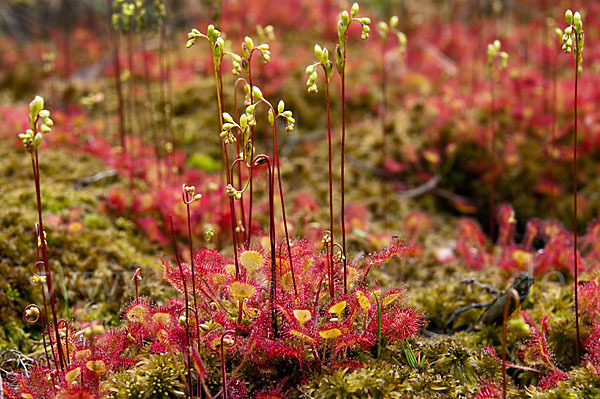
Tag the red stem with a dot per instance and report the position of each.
(36, 174)
(384, 131)
(577, 37)
(330, 244)
(342, 211)
(287, 238)
(117, 70)
(185, 294)
(492, 154)
(148, 84)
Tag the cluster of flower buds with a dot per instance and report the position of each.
(573, 34)
(38, 279)
(343, 24)
(345, 20)
(39, 240)
(322, 55)
(281, 112)
(227, 128)
(31, 138)
(213, 36)
(248, 47)
(493, 51)
(189, 192)
(32, 313)
(383, 29)
(123, 15)
(232, 192)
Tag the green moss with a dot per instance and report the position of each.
(156, 377)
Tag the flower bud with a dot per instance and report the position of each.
(569, 17)
(37, 140)
(280, 106)
(257, 93)
(35, 106)
(394, 21)
(354, 10)
(249, 43)
(271, 117)
(227, 117)
(318, 52)
(345, 18)
(383, 28)
(325, 56)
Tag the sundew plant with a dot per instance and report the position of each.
(244, 200)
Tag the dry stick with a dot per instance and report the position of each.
(577, 38)
(187, 305)
(511, 293)
(36, 175)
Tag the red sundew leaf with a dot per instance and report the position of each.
(592, 346)
(153, 231)
(537, 351)
(551, 380)
(589, 300)
(506, 224)
(489, 390)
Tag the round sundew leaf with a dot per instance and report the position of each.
(137, 314)
(301, 336)
(332, 333)
(242, 290)
(363, 301)
(302, 315)
(83, 354)
(97, 366)
(251, 260)
(72, 375)
(338, 308)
